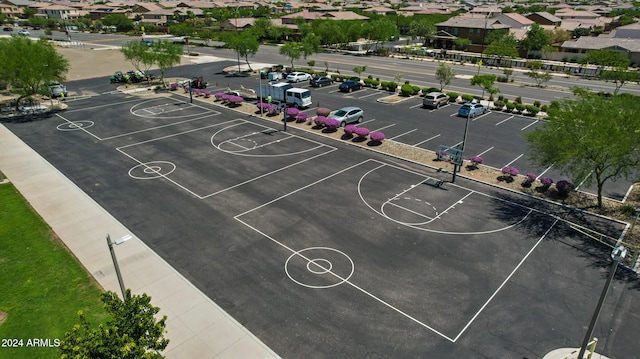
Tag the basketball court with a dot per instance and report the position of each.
(365, 245)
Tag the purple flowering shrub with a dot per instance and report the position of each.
(564, 187)
(508, 173)
(235, 100)
(218, 96)
(546, 183)
(376, 136)
(273, 110)
(331, 124)
(301, 117)
(350, 129)
(319, 121)
(441, 155)
(475, 161)
(261, 105)
(362, 132)
(529, 178)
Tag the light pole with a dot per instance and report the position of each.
(115, 260)
(237, 30)
(484, 36)
(618, 254)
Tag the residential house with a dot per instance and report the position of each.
(474, 28)
(309, 16)
(10, 11)
(625, 39)
(545, 19)
(237, 23)
(59, 12)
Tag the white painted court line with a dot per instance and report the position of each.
(506, 280)
(391, 203)
(529, 125)
(428, 139)
(101, 106)
(505, 120)
(402, 134)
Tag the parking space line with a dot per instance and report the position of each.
(371, 94)
(382, 128)
(584, 180)
(529, 125)
(545, 171)
(402, 134)
(483, 152)
(371, 120)
(428, 139)
(418, 105)
(515, 159)
(505, 120)
(481, 116)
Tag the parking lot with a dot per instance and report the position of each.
(324, 250)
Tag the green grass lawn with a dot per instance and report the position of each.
(42, 285)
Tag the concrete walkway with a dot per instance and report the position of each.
(196, 326)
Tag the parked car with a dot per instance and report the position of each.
(24, 32)
(348, 115)
(349, 86)
(321, 81)
(471, 109)
(57, 90)
(298, 76)
(8, 29)
(435, 100)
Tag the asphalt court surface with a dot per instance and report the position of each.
(325, 250)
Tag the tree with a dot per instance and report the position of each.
(423, 30)
(462, 43)
(619, 76)
(606, 58)
(380, 31)
(444, 75)
(292, 51)
(310, 45)
(590, 137)
(166, 56)
(502, 44)
(131, 332)
(580, 31)
(485, 82)
(244, 44)
(536, 73)
(120, 21)
(139, 54)
(27, 66)
(536, 39)
(359, 70)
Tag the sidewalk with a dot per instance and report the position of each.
(196, 326)
(570, 353)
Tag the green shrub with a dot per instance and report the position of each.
(510, 106)
(415, 90)
(467, 97)
(334, 77)
(520, 107)
(518, 100)
(498, 104)
(392, 86)
(367, 81)
(426, 90)
(503, 79)
(533, 110)
(544, 108)
(406, 90)
(375, 83)
(536, 103)
(407, 82)
(433, 89)
(453, 96)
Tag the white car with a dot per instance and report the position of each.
(298, 76)
(24, 32)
